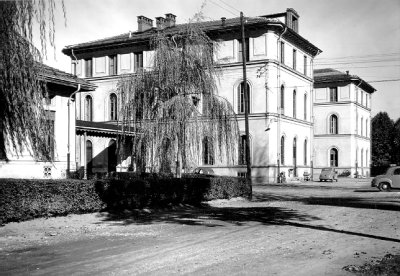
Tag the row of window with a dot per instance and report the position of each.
(334, 158)
(334, 125)
(113, 111)
(294, 57)
(294, 103)
(112, 65)
(283, 152)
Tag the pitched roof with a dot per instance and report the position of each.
(328, 76)
(209, 27)
(55, 76)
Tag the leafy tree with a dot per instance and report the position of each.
(396, 143)
(381, 139)
(174, 106)
(23, 122)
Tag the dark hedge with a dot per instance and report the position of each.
(23, 199)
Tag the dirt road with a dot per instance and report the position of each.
(301, 229)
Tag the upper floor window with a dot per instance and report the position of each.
(294, 103)
(138, 60)
(366, 128)
(113, 107)
(240, 52)
(362, 98)
(283, 150)
(333, 124)
(282, 52)
(88, 108)
(305, 65)
(333, 95)
(294, 59)
(333, 157)
(305, 107)
(361, 126)
(241, 98)
(112, 66)
(282, 103)
(88, 68)
(208, 151)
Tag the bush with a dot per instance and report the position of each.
(23, 199)
(121, 194)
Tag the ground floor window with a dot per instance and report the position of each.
(333, 156)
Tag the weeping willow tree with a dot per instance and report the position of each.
(23, 120)
(174, 109)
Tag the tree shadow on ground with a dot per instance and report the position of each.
(380, 203)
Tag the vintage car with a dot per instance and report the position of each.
(389, 180)
(328, 174)
(204, 170)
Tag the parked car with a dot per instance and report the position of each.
(328, 174)
(387, 181)
(204, 170)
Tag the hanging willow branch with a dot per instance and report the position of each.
(23, 120)
(174, 106)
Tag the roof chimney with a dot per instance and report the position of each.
(223, 20)
(170, 20)
(144, 23)
(160, 23)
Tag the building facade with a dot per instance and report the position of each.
(20, 163)
(279, 79)
(342, 122)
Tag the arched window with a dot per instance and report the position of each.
(241, 98)
(283, 150)
(333, 124)
(362, 126)
(113, 107)
(366, 128)
(305, 151)
(294, 104)
(295, 156)
(208, 151)
(362, 158)
(305, 107)
(282, 99)
(88, 108)
(242, 150)
(89, 156)
(333, 157)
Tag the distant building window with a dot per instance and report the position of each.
(295, 24)
(333, 95)
(305, 151)
(283, 150)
(305, 107)
(305, 66)
(241, 98)
(294, 59)
(282, 52)
(138, 60)
(113, 107)
(282, 104)
(88, 108)
(88, 68)
(242, 150)
(208, 151)
(112, 68)
(240, 52)
(294, 103)
(333, 124)
(333, 157)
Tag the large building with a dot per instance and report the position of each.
(342, 122)
(20, 163)
(279, 77)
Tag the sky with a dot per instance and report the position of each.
(361, 36)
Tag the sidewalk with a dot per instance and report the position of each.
(343, 182)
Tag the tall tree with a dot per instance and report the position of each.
(23, 122)
(382, 139)
(396, 143)
(175, 108)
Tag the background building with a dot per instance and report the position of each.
(342, 122)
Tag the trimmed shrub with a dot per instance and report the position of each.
(23, 199)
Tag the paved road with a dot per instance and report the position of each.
(294, 229)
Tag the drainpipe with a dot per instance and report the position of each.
(69, 130)
(279, 103)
